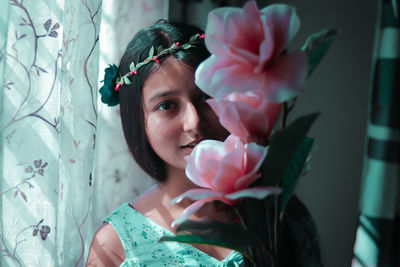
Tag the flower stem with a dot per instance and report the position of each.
(243, 223)
(276, 216)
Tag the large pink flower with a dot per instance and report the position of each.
(247, 115)
(248, 52)
(224, 170)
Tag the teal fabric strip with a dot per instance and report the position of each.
(387, 151)
(378, 234)
(383, 133)
(385, 109)
(374, 241)
(390, 19)
(379, 189)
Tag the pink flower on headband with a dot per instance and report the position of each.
(224, 170)
(248, 53)
(118, 86)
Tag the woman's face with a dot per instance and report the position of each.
(176, 114)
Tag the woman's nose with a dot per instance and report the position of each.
(191, 118)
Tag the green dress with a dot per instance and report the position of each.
(139, 236)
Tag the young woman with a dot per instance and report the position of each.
(164, 115)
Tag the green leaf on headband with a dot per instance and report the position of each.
(126, 80)
(282, 147)
(142, 64)
(317, 45)
(216, 233)
(293, 171)
(193, 38)
(132, 66)
(186, 46)
(159, 49)
(151, 52)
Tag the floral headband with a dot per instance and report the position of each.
(113, 80)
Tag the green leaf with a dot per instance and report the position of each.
(193, 38)
(293, 171)
(173, 46)
(142, 64)
(151, 52)
(317, 45)
(186, 46)
(132, 66)
(159, 49)
(126, 80)
(282, 147)
(216, 233)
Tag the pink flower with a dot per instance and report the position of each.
(224, 170)
(248, 53)
(248, 115)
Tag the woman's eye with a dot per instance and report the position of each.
(166, 105)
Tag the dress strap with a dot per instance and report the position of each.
(122, 220)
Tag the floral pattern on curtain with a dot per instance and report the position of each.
(49, 71)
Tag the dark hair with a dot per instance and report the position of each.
(163, 33)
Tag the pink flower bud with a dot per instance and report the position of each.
(118, 86)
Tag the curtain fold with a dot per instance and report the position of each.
(49, 59)
(378, 233)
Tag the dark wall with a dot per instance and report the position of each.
(339, 89)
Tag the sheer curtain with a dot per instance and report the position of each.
(378, 234)
(49, 66)
(117, 177)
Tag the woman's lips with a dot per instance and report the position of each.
(192, 143)
(190, 146)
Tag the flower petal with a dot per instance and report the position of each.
(286, 78)
(255, 192)
(204, 157)
(196, 194)
(196, 206)
(284, 21)
(215, 34)
(228, 170)
(249, 118)
(218, 77)
(227, 31)
(229, 114)
(256, 157)
(232, 143)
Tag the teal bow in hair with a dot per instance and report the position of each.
(108, 93)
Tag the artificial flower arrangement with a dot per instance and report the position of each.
(252, 80)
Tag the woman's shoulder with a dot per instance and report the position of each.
(106, 248)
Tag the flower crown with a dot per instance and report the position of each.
(113, 80)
